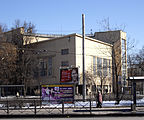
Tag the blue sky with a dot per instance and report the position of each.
(64, 16)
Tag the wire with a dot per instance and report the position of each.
(61, 31)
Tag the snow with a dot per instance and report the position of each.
(135, 78)
(85, 104)
(104, 104)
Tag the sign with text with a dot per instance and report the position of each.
(69, 75)
(57, 93)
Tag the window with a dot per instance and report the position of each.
(105, 67)
(94, 88)
(123, 50)
(109, 67)
(110, 88)
(43, 68)
(105, 87)
(49, 66)
(36, 72)
(99, 87)
(99, 66)
(64, 63)
(123, 45)
(94, 65)
(64, 51)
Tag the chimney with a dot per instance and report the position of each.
(29, 30)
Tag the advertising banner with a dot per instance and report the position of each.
(69, 75)
(57, 93)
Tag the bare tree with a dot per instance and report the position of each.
(136, 63)
(140, 59)
(16, 56)
(91, 82)
(28, 26)
(25, 61)
(100, 79)
(3, 28)
(106, 25)
(136, 67)
(8, 56)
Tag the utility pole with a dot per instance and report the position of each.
(83, 56)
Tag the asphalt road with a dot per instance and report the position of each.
(75, 118)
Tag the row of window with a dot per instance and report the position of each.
(123, 45)
(101, 66)
(105, 88)
(64, 52)
(44, 68)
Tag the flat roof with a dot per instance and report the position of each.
(74, 34)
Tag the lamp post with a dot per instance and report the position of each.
(83, 56)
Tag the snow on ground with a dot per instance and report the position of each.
(104, 104)
(122, 103)
(86, 104)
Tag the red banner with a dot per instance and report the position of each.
(69, 75)
(66, 75)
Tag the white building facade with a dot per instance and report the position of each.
(66, 51)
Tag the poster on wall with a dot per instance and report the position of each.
(69, 75)
(57, 93)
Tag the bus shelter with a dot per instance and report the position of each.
(135, 80)
(11, 89)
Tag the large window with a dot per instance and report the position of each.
(99, 66)
(94, 65)
(64, 51)
(36, 72)
(99, 87)
(49, 66)
(109, 67)
(43, 68)
(105, 66)
(123, 51)
(105, 88)
(123, 45)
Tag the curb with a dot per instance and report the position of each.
(75, 115)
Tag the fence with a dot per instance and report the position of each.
(35, 107)
(25, 106)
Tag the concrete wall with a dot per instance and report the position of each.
(95, 48)
(115, 38)
(53, 49)
(72, 42)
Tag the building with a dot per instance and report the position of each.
(66, 51)
(136, 70)
(105, 57)
(118, 40)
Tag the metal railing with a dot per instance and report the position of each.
(34, 107)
